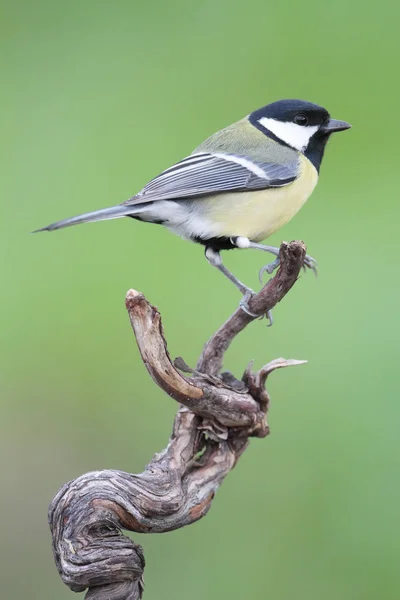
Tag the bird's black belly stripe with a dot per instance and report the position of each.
(217, 243)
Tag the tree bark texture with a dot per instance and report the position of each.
(216, 417)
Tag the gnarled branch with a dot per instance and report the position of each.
(218, 414)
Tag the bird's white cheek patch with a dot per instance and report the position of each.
(295, 135)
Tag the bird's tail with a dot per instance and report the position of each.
(115, 212)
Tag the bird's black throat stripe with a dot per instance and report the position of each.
(315, 149)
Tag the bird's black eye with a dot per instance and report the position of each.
(300, 119)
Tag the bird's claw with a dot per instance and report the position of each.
(244, 305)
(270, 268)
(309, 263)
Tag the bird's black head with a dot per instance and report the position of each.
(301, 125)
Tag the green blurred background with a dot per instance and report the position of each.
(98, 97)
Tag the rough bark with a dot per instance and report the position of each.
(217, 415)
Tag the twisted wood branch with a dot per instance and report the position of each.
(218, 414)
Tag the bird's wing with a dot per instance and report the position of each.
(206, 173)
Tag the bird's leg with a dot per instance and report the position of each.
(242, 242)
(214, 258)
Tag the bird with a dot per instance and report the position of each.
(238, 187)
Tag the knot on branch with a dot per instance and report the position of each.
(218, 414)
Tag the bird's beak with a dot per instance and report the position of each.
(335, 125)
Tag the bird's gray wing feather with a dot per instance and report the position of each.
(200, 174)
(203, 174)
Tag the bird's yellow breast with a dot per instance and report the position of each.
(258, 214)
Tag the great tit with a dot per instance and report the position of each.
(239, 186)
